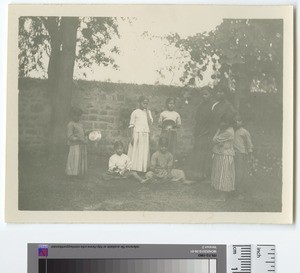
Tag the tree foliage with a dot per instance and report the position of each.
(38, 35)
(33, 44)
(96, 32)
(240, 52)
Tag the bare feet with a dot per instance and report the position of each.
(145, 181)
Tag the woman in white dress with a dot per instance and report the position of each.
(139, 150)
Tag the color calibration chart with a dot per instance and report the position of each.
(112, 258)
(128, 266)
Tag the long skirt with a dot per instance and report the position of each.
(139, 152)
(201, 157)
(241, 170)
(172, 138)
(223, 173)
(77, 160)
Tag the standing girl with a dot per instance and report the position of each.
(169, 120)
(223, 172)
(140, 122)
(77, 158)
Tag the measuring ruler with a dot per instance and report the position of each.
(137, 258)
(251, 259)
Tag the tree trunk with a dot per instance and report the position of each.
(52, 25)
(60, 76)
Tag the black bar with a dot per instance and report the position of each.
(42, 266)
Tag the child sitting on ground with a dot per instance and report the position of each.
(161, 167)
(119, 165)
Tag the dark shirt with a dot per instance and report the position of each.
(203, 118)
(219, 109)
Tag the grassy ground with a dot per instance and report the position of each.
(43, 186)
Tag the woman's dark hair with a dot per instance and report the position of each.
(163, 142)
(228, 119)
(142, 98)
(118, 144)
(235, 120)
(168, 100)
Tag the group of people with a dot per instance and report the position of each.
(222, 146)
(221, 151)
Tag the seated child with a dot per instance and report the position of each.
(161, 166)
(119, 165)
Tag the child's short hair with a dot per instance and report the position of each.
(142, 98)
(168, 100)
(227, 118)
(76, 111)
(163, 142)
(118, 144)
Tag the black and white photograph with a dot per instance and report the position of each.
(183, 113)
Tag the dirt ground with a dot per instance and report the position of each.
(44, 186)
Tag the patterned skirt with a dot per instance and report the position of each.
(77, 160)
(223, 173)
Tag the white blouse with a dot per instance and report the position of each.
(139, 122)
(119, 163)
(169, 115)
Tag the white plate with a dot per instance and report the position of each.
(95, 135)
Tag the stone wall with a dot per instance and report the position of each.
(34, 115)
(106, 106)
